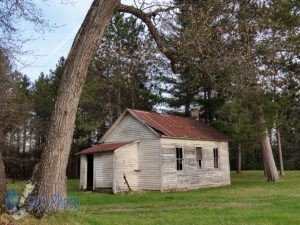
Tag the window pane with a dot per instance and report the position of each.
(198, 153)
(179, 158)
(216, 163)
(216, 157)
(216, 153)
(179, 164)
(179, 153)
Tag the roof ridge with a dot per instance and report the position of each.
(164, 114)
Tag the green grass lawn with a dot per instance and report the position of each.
(249, 200)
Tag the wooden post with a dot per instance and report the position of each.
(126, 182)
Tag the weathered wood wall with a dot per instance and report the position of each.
(130, 129)
(126, 162)
(191, 177)
(83, 172)
(103, 170)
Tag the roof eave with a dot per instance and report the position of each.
(111, 150)
(196, 139)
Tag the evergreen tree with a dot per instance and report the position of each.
(44, 92)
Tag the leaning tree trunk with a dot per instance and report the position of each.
(51, 177)
(239, 159)
(2, 185)
(280, 152)
(269, 163)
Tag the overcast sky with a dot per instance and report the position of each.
(52, 45)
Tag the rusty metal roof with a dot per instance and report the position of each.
(105, 147)
(178, 126)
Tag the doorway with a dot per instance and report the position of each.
(90, 172)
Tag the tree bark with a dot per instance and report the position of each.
(280, 153)
(51, 177)
(2, 185)
(269, 163)
(24, 137)
(18, 140)
(119, 101)
(210, 116)
(110, 108)
(239, 159)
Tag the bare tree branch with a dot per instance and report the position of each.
(168, 51)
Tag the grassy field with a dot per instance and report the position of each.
(249, 200)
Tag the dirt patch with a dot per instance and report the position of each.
(182, 207)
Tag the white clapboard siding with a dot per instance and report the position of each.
(83, 172)
(126, 162)
(191, 177)
(103, 170)
(130, 129)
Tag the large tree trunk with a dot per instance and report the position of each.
(2, 185)
(280, 153)
(239, 159)
(51, 177)
(269, 163)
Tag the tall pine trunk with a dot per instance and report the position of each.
(269, 162)
(2, 185)
(51, 177)
(24, 137)
(239, 159)
(280, 152)
(119, 111)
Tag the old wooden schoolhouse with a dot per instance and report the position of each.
(152, 151)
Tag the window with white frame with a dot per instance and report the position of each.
(216, 158)
(199, 157)
(179, 158)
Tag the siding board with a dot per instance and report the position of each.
(83, 172)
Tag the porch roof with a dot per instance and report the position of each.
(104, 147)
